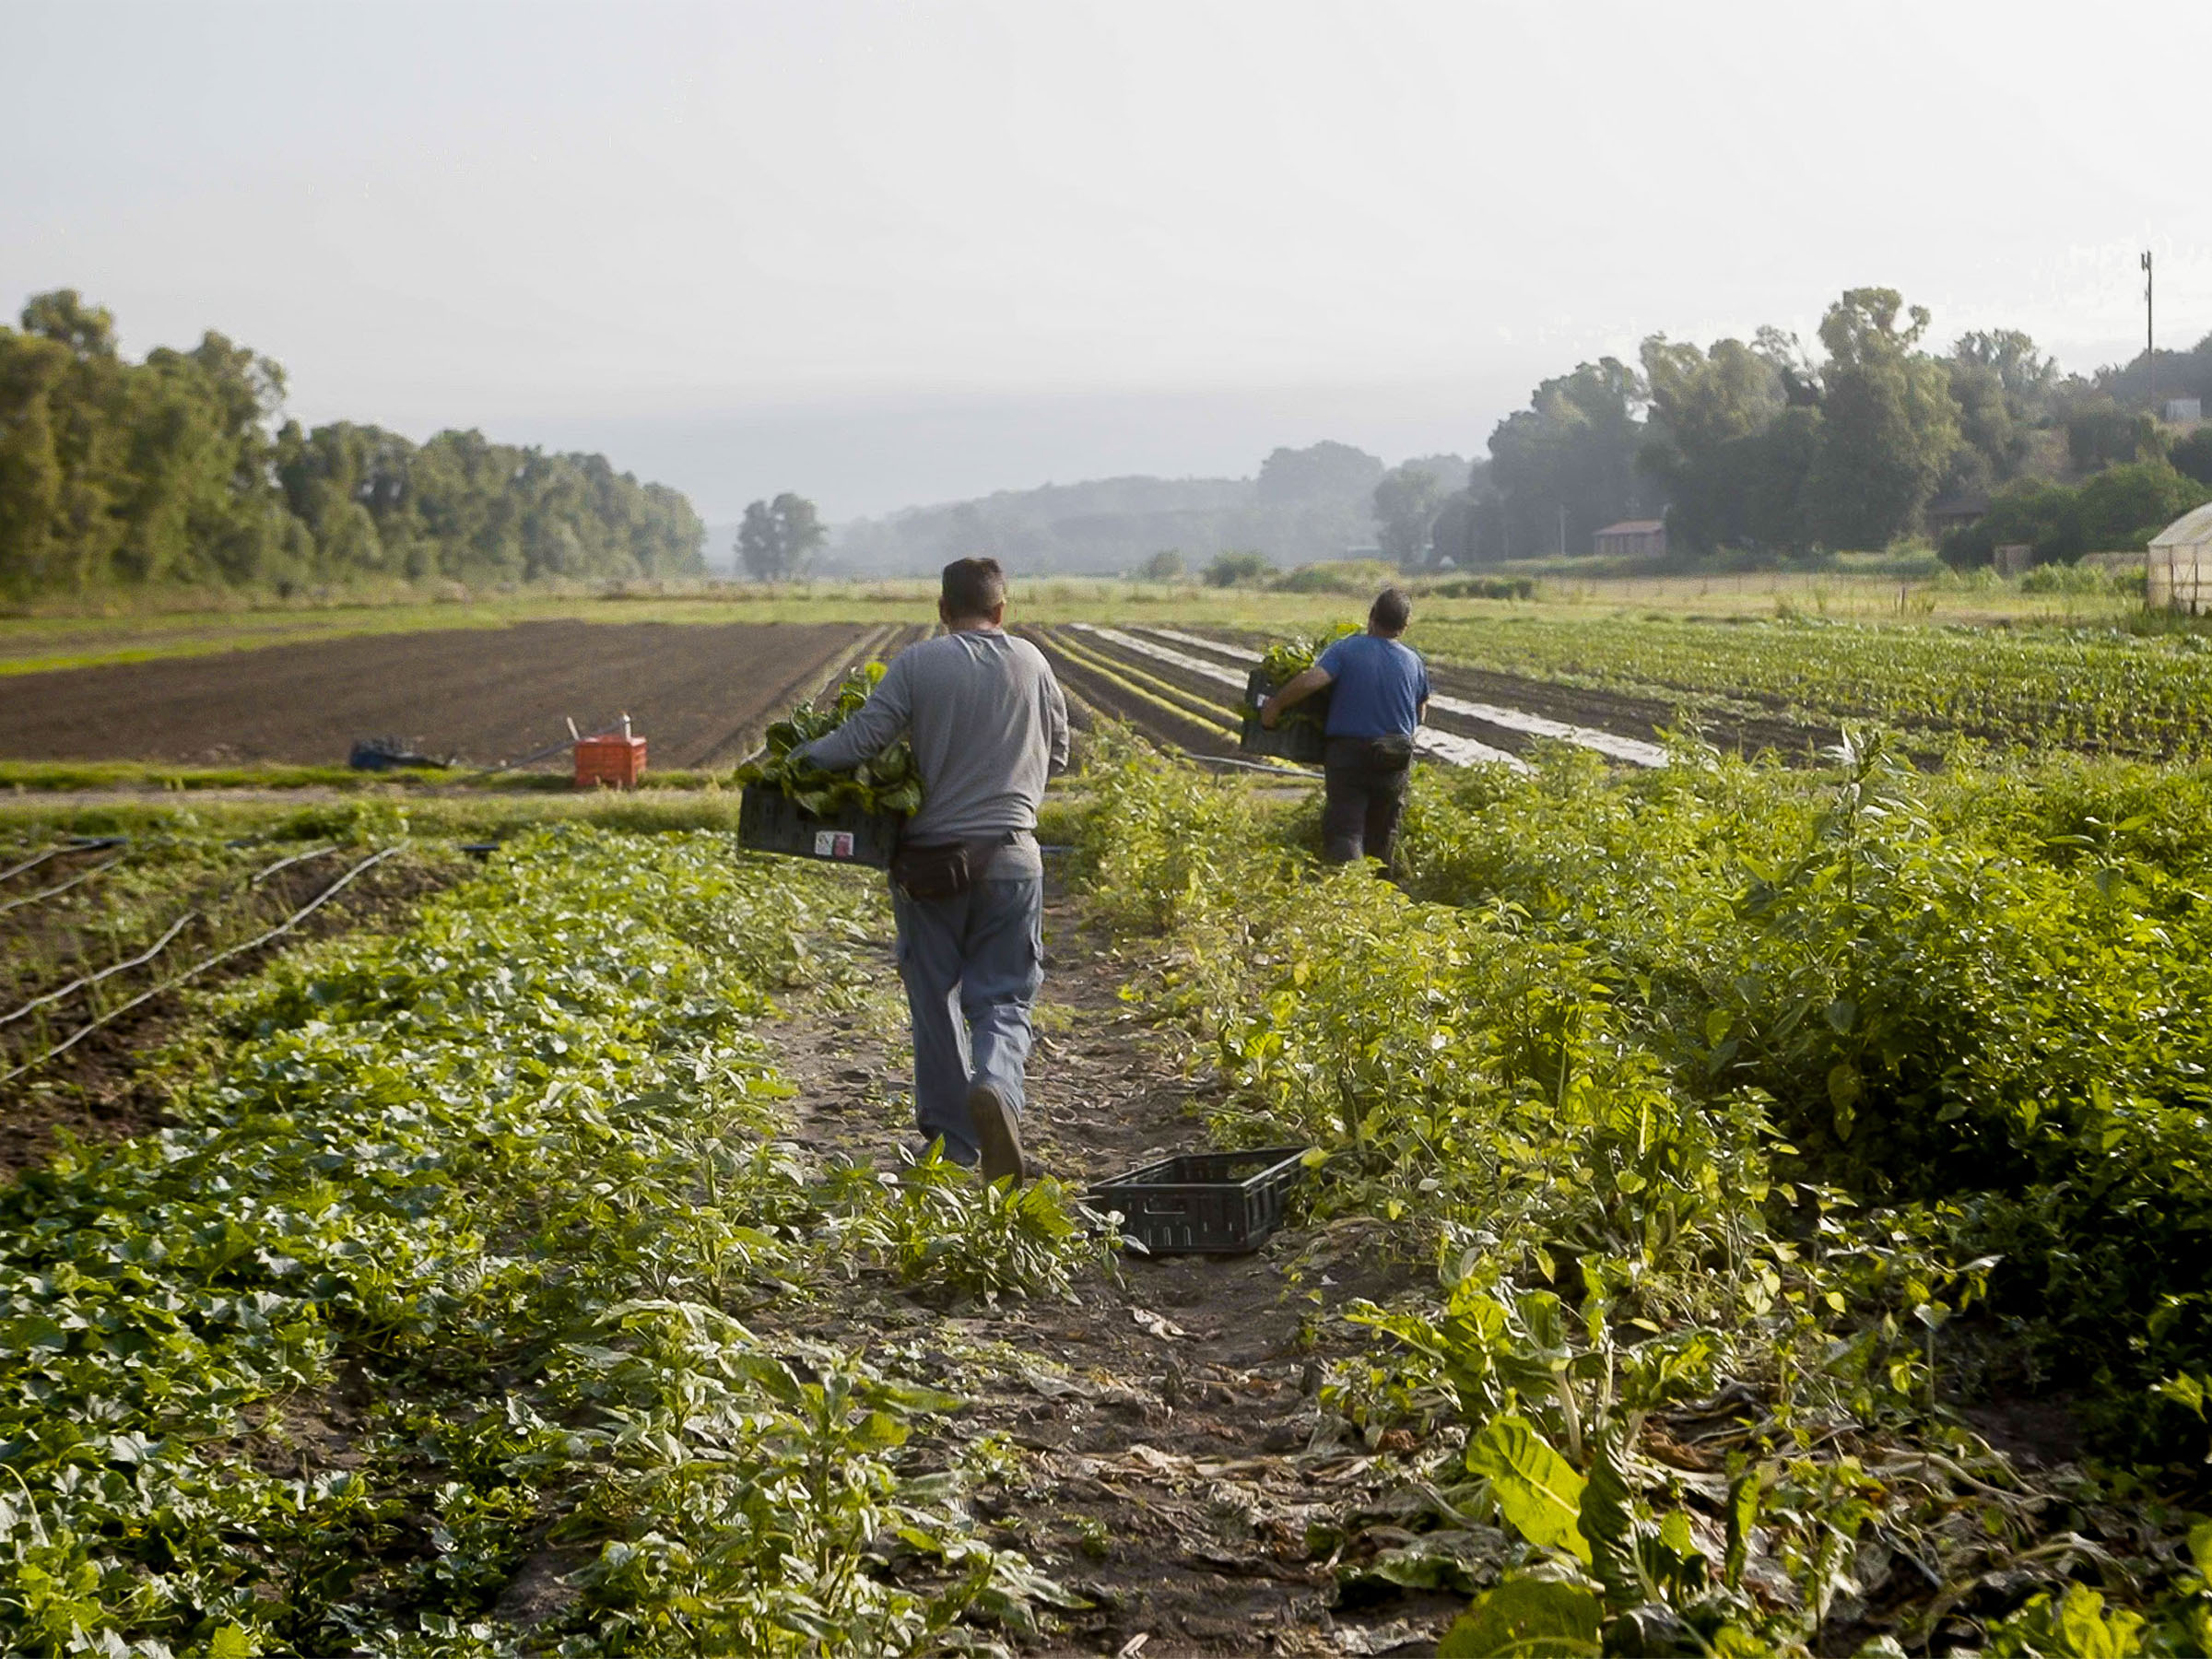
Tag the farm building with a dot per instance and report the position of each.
(2179, 566)
(1635, 537)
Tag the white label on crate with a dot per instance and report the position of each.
(833, 843)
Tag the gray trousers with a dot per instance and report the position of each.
(972, 965)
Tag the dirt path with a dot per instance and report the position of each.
(1173, 1475)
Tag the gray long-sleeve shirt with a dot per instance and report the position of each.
(988, 725)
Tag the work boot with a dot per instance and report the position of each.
(996, 1133)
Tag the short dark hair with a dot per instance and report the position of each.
(973, 587)
(1390, 611)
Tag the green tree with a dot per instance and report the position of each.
(34, 535)
(2002, 384)
(776, 538)
(2192, 455)
(1167, 564)
(2020, 367)
(2101, 433)
(1566, 466)
(1406, 503)
(1705, 442)
(167, 472)
(1890, 423)
(1327, 471)
(2118, 510)
(89, 330)
(1232, 570)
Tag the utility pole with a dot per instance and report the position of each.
(2150, 336)
(1562, 529)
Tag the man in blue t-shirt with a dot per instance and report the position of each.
(1382, 692)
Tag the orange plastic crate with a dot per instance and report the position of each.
(615, 762)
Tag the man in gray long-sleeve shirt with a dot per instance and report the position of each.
(988, 725)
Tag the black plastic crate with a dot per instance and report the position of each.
(1204, 1203)
(770, 821)
(1301, 740)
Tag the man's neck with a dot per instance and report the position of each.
(974, 625)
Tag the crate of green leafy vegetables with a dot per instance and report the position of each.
(794, 807)
(1302, 733)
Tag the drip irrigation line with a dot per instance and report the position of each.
(82, 843)
(285, 864)
(148, 954)
(298, 916)
(60, 887)
(33, 862)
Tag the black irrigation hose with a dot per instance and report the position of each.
(62, 887)
(148, 954)
(199, 968)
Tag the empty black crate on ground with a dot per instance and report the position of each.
(1302, 742)
(1204, 1203)
(770, 821)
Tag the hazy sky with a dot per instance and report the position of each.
(883, 253)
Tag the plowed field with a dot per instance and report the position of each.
(698, 692)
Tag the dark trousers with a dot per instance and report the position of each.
(1366, 791)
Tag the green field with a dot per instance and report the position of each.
(141, 630)
(2099, 689)
(1751, 1210)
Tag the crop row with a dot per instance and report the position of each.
(467, 1254)
(2088, 689)
(1758, 1123)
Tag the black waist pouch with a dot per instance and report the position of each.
(940, 869)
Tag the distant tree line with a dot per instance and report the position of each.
(173, 472)
(777, 538)
(1762, 445)
(1302, 505)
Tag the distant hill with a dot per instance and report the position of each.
(1301, 506)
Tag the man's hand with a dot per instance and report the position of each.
(1269, 713)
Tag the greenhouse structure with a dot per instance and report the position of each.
(2179, 563)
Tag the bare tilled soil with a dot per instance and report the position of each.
(1178, 1477)
(700, 693)
(1088, 691)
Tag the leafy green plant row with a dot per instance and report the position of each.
(2099, 690)
(456, 1259)
(1752, 1120)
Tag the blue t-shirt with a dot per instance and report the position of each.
(1377, 688)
